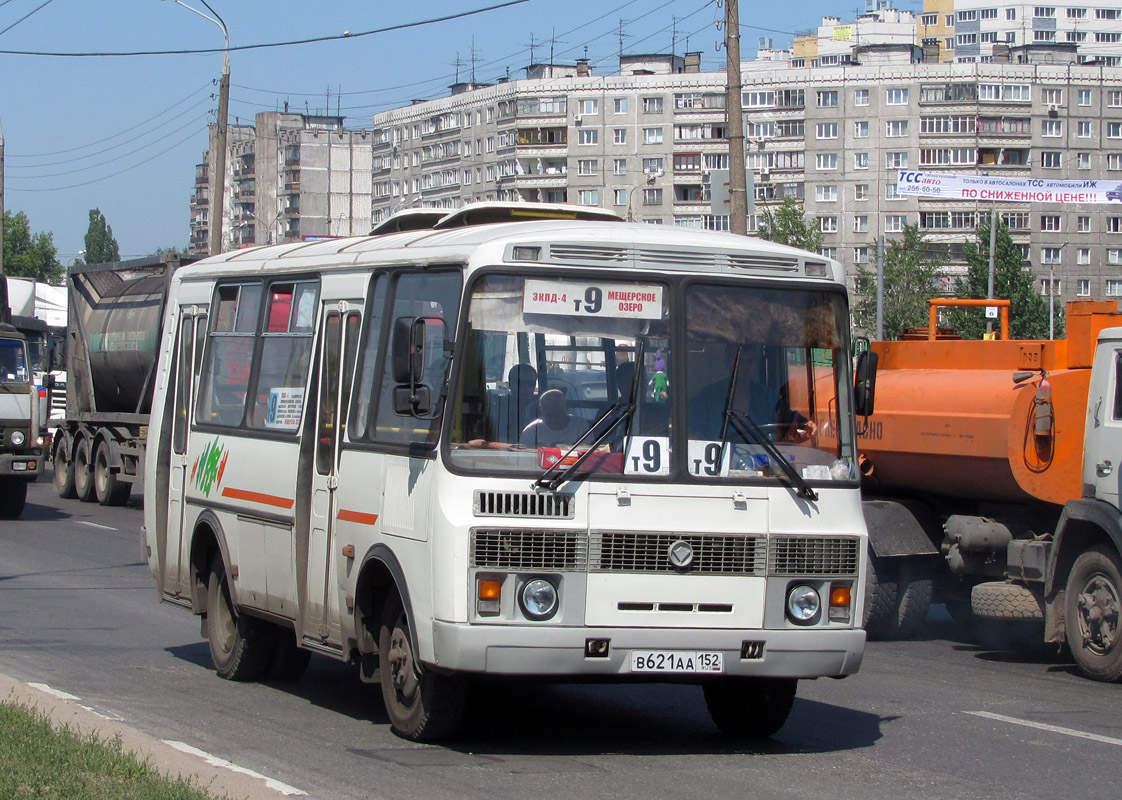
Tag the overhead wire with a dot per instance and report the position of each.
(25, 16)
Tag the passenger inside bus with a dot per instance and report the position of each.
(556, 426)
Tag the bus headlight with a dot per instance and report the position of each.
(804, 606)
(538, 599)
(18, 438)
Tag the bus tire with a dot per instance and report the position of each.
(1092, 606)
(915, 588)
(13, 496)
(241, 647)
(82, 467)
(63, 471)
(290, 661)
(109, 490)
(881, 603)
(750, 708)
(422, 706)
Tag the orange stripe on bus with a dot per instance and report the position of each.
(356, 516)
(258, 497)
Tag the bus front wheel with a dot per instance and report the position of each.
(421, 705)
(750, 707)
(241, 647)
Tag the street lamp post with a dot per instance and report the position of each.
(220, 138)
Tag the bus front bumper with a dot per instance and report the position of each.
(560, 651)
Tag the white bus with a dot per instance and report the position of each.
(564, 448)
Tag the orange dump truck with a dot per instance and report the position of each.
(991, 477)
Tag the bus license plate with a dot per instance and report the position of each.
(676, 661)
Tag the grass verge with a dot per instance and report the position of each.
(38, 761)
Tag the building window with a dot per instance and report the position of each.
(1113, 287)
(861, 191)
(896, 159)
(1083, 129)
(861, 97)
(1114, 98)
(828, 99)
(860, 255)
(890, 192)
(1049, 255)
(590, 106)
(860, 129)
(1050, 159)
(1114, 224)
(588, 136)
(896, 96)
(619, 197)
(1114, 161)
(619, 105)
(652, 105)
(1114, 130)
(988, 13)
(588, 197)
(587, 166)
(1114, 257)
(826, 193)
(652, 197)
(687, 162)
(861, 223)
(1083, 256)
(826, 161)
(1084, 97)
(1083, 287)
(826, 130)
(894, 223)
(1010, 13)
(1049, 222)
(619, 166)
(828, 224)
(1052, 128)
(860, 160)
(1083, 160)
(619, 136)
(652, 135)
(895, 128)
(1044, 11)
(653, 166)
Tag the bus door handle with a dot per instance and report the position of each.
(1104, 468)
(332, 482)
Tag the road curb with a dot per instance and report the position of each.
(174, 760)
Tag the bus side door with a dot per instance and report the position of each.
(339, 340)
(192, 336)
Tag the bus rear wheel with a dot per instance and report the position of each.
(13, 496)
(750, 708)
(422, 706)
(241, 647)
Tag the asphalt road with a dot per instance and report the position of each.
(932, 718)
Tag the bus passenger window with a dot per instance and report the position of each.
(226, 375)
(286, 348)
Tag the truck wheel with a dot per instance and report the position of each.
(915, 596)
(13, 496)
(880, 597)
(240, 647)
(289, 661)
(63, 472)
(82, 467)
(109, 490)
(421, 707)
(1092, 604)
(1005, 601)
(750, 707)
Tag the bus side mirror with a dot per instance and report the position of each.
(408, 350)
(865, 381)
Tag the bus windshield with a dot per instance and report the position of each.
(552, 368)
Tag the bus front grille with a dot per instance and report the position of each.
(710, 554)
(532, 505)
(814, 555)
(561, 551)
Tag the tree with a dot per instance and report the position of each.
(101, 247)
(28, 255)
(787, 225)
(911, 277)
(1012, 280)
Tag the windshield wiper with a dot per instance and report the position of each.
(628, 409)
(751, 433)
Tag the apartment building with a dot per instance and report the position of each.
(288, 177)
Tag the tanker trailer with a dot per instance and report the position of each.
(113, 330)
(989, 478)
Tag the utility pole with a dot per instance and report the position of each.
(220, 158)
(880, 287)
(993, 244)
(5, 311)
(738, 195)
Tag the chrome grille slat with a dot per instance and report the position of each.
(529, 505)
(714, 554)
(813, 555)
(561, 551)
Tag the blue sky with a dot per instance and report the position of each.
(123, 134)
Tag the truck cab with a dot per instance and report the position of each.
(21, 443)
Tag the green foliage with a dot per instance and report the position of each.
(101, 247)
(37, 761)
(787, 225)
(28, 255)
(1012, 280)
(911, 278)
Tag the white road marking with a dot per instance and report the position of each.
(95, 525)
(1043, 726)
(215, 761)
(42, 687)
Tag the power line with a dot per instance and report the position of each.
(265, 45)
(25, 16)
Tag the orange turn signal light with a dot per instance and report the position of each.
(839, 595)
(490, 590)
